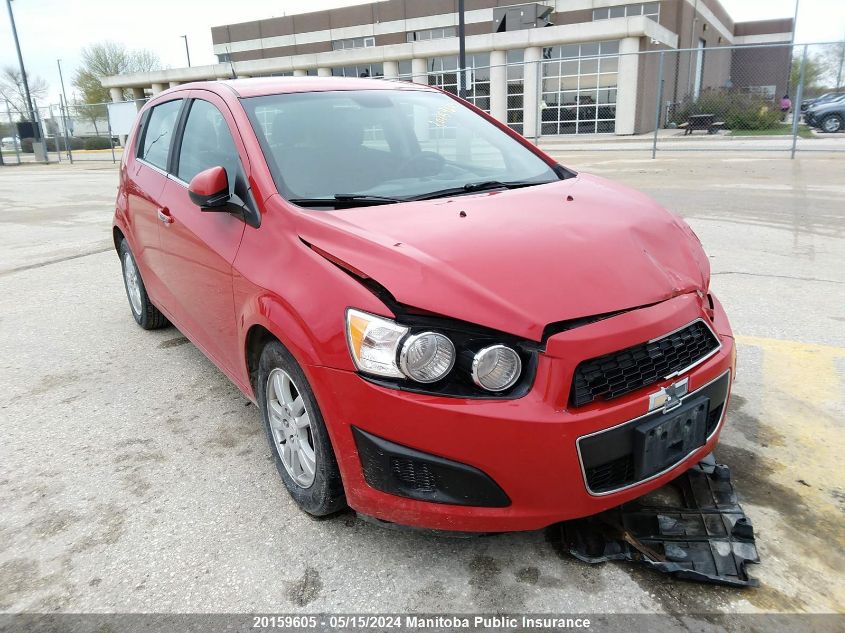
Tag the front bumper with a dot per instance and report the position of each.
(527, 446)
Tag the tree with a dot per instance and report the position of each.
(105, 59)
(833, 58)
(12, 90)
(814, 72)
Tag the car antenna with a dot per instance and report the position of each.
(231, 64)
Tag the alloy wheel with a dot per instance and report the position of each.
(832, 124)
(290, 424)
(133, 283)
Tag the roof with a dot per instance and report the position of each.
(274, 85)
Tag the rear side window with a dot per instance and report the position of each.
(159, 131)
(206, 143)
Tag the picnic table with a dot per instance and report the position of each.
(706, 122)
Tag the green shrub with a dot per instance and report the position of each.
(74, 142)
(738, 110)
(97, 142)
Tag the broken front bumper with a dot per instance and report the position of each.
(528, 447)
(693, 529)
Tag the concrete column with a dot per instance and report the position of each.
(173, 84)
(299, 72)
(159, 87)
(626, 90)
(138, 96)
(324, 72)
(419, 70)
(116, 94)
(499, 85)
(391, 69)
(532, 92)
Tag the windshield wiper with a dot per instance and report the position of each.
(472, 187)
(345, 200)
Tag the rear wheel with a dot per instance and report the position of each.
(832, 123)
(145, 313)
(295, 429)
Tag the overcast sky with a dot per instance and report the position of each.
(53, 29)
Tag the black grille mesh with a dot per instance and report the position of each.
(627, 370)
(414, 474)
(615, 474)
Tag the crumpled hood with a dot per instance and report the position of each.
(521, 259)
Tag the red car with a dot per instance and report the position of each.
(441, 325)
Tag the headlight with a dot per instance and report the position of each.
(427, 357)
(496, 368)
(374, 343)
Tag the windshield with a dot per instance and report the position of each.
(393, 144)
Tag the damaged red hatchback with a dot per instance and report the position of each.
(441, 325)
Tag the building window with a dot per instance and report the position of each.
(361, 70)
(405, 71)
(579, 88)
(353, 42)
(516, 88)
(223, 58)
(648, 9)
(443, 73)
(431, 34)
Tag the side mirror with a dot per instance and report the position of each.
(209, 189)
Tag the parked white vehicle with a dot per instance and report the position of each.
(10, 143)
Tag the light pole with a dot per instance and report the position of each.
(64, 105)
(23, 72)
(62, 79)
(794, 22)
(187, 52)
(792, 52)
(462, 51)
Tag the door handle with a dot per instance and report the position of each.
(164, 216)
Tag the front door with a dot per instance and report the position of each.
(145, 187)
(198, 247)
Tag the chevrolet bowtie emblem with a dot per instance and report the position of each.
(669, 397)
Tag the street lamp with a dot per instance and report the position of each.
(23, 72)
(187, 52)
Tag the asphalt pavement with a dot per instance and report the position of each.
(135, 478)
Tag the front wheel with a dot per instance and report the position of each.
(832, 123)
(145, 313)
(296, 431)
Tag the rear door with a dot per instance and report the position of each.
(198, 247)
(146, 185)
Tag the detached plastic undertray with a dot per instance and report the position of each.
(693, 529)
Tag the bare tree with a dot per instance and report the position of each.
(12, 89)
(105, 59)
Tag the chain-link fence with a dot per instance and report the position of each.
(587, 96)
(77, 132)
(595, 96)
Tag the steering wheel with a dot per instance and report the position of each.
(421, 165)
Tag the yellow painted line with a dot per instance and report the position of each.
(801, 396)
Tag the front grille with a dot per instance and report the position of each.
(609, 458)
(414, 474)
(627, 370)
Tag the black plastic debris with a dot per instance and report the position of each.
(693, 529)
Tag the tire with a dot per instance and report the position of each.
(832, 123)
(321, 493)
(145, 313)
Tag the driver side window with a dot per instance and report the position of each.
(207, 142)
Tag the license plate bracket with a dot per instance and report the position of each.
(667, 439)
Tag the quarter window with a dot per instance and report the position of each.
(159, 132)
(207, 143)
